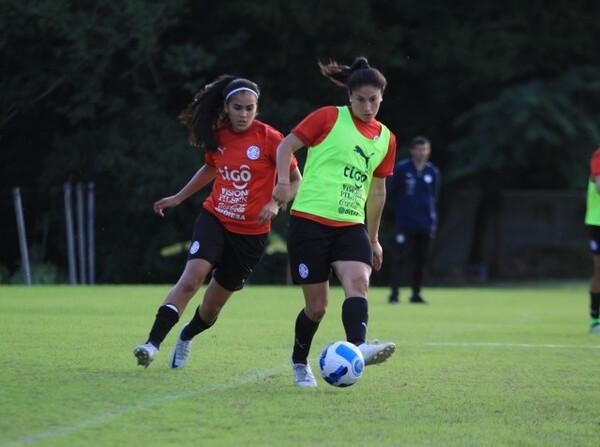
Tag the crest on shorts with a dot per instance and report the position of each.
(303, 270)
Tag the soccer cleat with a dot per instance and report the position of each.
(417, 299)
(181, 351)
(376, 352)
(303, 375)
(394, 299)
(145, 354)
(595, 328)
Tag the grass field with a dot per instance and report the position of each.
(490, 366)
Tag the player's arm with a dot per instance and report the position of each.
(201, 178)
(375, 204)
(271, 209)
(295, 180)
(283, 191)
(392, 184)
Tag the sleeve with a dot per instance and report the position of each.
(386, 167)
(316, 126)
(595, 164)
(209, 159)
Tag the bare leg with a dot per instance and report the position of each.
(595, 281)
(189, 282)
(214, 300)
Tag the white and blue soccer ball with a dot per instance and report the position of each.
(341, 364)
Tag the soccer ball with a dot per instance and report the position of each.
(341, 364)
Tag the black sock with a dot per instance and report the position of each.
(355, 317)
(304, 332)
(595, 304)
(166, 318)
(195, 326)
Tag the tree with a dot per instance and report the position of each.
(91, 91)
(534, 134)
(539, 134)
(85, 100)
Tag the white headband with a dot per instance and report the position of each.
(239, 89)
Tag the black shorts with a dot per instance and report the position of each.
(233, 256)
(413, 243)
(594, 234)
(313, 247)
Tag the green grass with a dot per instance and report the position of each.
(496, 366)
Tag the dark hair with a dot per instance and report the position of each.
(418, 141)
(205, 113)
(359, 74)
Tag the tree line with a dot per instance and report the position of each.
(508, 93)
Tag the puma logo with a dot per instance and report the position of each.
(300, 345)
(360, 152)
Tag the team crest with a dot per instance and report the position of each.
(303, 270)
(253, 152)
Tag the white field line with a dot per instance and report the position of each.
(107, 415)
(509, 345)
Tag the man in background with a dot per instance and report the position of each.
(414, 190)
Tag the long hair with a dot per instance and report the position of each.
(206, 113)
(359, 74)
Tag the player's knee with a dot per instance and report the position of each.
(359, 286)
(316, 311)
(189, 286)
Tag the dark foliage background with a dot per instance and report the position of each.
(508, 92)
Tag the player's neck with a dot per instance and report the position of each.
(419, 165)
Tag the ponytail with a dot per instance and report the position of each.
(359, 74)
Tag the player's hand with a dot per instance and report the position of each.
(377, 255)
(282, 194)
(166, 202)
(268, 213)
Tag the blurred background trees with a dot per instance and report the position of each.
(508, 92)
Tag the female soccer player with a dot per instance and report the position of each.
(349, 155)
(231, 230)
(592, 221)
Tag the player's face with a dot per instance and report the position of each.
(420, 153)
(365, 102)
(241, 109)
